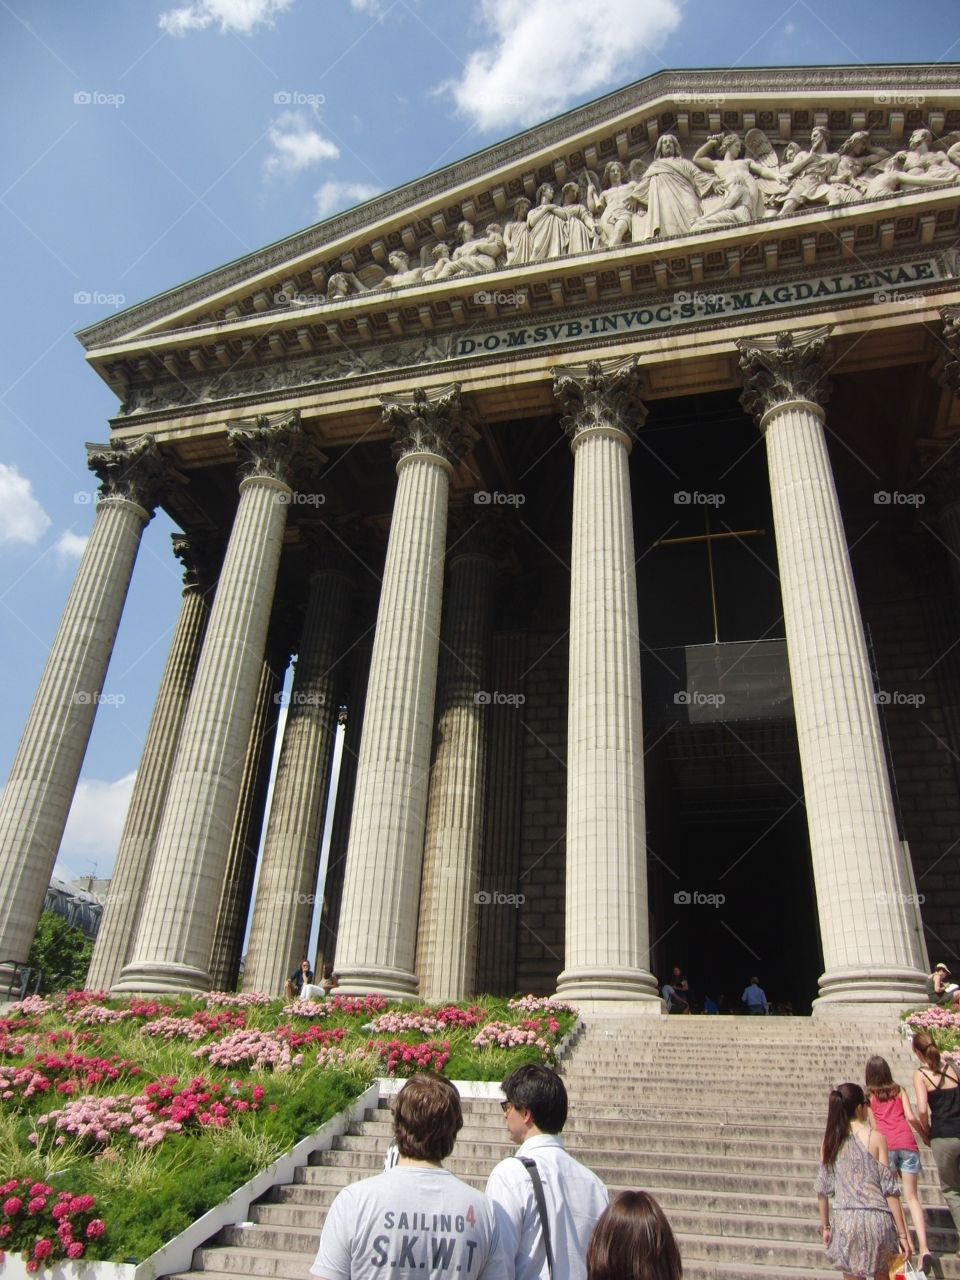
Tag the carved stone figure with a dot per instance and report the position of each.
(810, 173)
(342, 284)
(617, 205)
(894, 177)
(671, 189)
(403, 273)
(516, 234)
(581, 230)
(474, 256)
(440, 257)
(547, 226)
(923, 158)
(847, 184)
(740, 183)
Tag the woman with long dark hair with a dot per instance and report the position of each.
(868, 1223)
(633, 1241)
(893, 1116)
(936, 1087)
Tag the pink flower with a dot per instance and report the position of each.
(95, 1228)
(33, 1265)
(12, 1206)
(36, 1204)
(42, 1248)
(75, 1250)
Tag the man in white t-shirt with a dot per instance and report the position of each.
(416, 1218)
(573, 1197)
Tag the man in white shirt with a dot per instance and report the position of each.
(573, 1197)
(415, 1218)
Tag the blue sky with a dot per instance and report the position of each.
(148, 142)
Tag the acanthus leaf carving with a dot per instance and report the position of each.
(785, 367)
(603, 394)
(431, 421)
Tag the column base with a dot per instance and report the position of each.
(610, 983)
(869, 992)
(161, 979)
(397, 984)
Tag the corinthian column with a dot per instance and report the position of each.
(172, 948)
(607, 942)
(135, 855)
(378, 919)
(43, 777)
(291, 852)
(447, 941)
(872, 950)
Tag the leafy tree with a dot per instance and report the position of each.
(61, 953)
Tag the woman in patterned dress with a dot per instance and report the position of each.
(868, 1230)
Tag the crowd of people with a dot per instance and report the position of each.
(546, 1216)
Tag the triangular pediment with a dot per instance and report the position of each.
(380, 273)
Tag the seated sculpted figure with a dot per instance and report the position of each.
(617, 206)
(847, 183)
(403, 273)
(671, 188)
(809, 173)
(895, 177)
(474, 256)
(741, 183)
(440, 253)
(924, 158)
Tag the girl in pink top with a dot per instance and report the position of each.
(892, 1115)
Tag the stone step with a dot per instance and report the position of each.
(380, 1126)
(582, 1143)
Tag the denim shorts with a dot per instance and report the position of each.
(903, 1160)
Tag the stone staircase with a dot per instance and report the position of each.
(719, 1117)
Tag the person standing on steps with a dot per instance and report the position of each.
(633, 1241)
(936, 1087)
(892, 1115)
(754, 998)
(416, 1218)
(868, 1221)
(547, 1203)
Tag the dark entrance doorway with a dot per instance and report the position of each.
(731, 887)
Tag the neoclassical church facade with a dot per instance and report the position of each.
(604, 487)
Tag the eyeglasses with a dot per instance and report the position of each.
(504, 1105)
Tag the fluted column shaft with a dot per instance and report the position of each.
(138, 841)
(343, 809)
(606, 937)
(497, 967)
(43, 777)
(241, 866)
(447, 941)
(172, 947)
(871, 948)
(378, 917)
(288, 872)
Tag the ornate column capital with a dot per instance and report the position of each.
(431, 421)
(784, 368)
(601, 395)
(951, 340)
(132, 470)
(271, 446)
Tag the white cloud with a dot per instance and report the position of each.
(233, 15)
(70, 545)
(95, 824)
(296, 145)
(22, 519)
(331, 196)
(548, 52)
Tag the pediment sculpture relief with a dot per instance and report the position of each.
(727, 181)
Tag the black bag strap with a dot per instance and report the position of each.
(531, 1168)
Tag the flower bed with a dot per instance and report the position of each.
(943, 1024)
(154, 1111)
